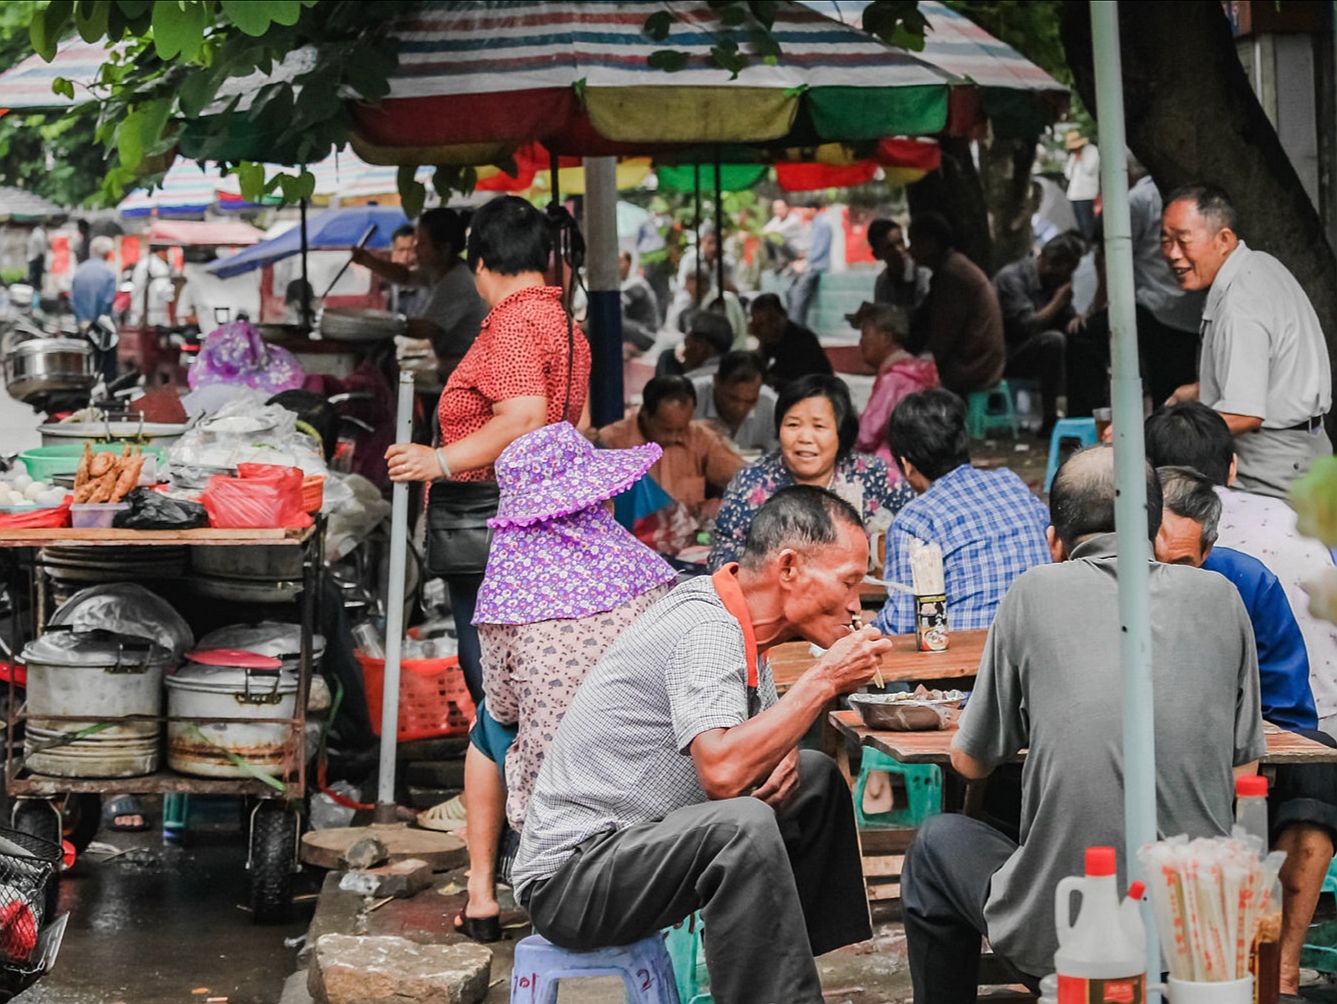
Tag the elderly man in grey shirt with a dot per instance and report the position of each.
(1264, 365)
(675, 783)
(1050, 681)
(737, 404)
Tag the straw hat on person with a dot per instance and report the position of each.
(1074, 140)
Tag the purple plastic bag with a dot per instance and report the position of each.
(236, 354)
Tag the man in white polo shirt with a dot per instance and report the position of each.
(1264, 365)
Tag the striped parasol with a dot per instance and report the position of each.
(186, 190)
(477, 79)
(994, 80)
(28, 84)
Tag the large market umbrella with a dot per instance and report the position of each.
(186, 190)
(27, 85)
(478, 79)
(330, 230)
(994, 80)
(23, 206)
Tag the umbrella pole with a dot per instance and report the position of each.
(605, 289)
(394, 613)
(1130, 503)
(719, 230)
(554, 164)
(306, 282)
(696, 229)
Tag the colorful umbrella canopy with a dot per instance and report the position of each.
(330, 230)
(186, 190)
(478, 79)
(22, 206)
(28, 84)
(1016, 96)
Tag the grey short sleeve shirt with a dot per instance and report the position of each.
(1050, 680)
(622, 755)
(1263, 352)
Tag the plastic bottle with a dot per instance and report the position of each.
(1102, 956)
(1265, 959)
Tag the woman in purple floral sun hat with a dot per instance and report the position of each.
(563, 580)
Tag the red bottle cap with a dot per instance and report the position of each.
(1100, 861)
(1251, 786)
(1136, 891)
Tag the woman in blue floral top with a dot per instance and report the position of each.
(817, 428)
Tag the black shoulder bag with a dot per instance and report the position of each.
(458, 537)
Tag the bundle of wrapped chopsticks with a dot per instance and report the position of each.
(1209, 897)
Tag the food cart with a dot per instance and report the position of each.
(273, 822)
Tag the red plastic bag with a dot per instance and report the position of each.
(272, 499)
(56, 516)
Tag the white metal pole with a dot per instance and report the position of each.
(394, 613)
(1130, 503)
(605, 296)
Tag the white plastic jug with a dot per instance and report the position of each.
(1102, 954)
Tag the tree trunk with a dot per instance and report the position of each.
(955, 191)
(1191, 116)
(1006, 167)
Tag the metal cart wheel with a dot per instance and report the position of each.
(273, 860)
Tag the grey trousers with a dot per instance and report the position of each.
(944, 886)
(1271, 460)
(774, 889)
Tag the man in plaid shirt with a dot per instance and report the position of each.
(988, 524)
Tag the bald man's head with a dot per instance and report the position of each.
(1081, 499)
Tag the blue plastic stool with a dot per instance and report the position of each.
(991, 409)
(923, 789)
(1081, 429)
(686, 947)
(644, 967)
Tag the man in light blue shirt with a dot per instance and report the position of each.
(815, 263)
(93, 287)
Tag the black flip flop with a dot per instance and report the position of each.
(121, 806)
(482, 929)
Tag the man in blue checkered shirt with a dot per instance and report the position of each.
(988, 524)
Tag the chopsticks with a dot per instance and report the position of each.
(856, 624)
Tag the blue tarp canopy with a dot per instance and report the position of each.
(331, 230)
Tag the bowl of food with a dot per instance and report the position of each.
(920, 710)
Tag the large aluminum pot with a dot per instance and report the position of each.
(49, 365)
(357, 324)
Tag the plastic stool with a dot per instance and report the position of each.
(686, 949)
(1081, 429)
(991, 409)
(644, 967)
(923, 789)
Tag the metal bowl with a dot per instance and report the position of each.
(355, 324)
(882, 711)
(48, 365)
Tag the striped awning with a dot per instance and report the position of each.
(957, 45)
(477, 79)
(28, 84)
(186, 190)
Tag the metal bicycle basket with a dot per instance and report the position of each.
(30, 932)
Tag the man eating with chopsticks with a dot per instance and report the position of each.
(1050, 681)
(674, 783)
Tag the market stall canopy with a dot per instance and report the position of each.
(27, 85)
(1016, 96)
(476, 80)
(193, 233)
(330, 230)
(186, 190)
(22, 206)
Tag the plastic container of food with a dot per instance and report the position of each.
(95, 515)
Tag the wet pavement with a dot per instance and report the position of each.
(168, 925)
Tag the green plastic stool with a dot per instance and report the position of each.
(686, 950)
(923, 788)
(992, 409)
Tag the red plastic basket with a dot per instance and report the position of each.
(433, 697)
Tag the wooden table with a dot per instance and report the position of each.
(934, 747)
(902, 664)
